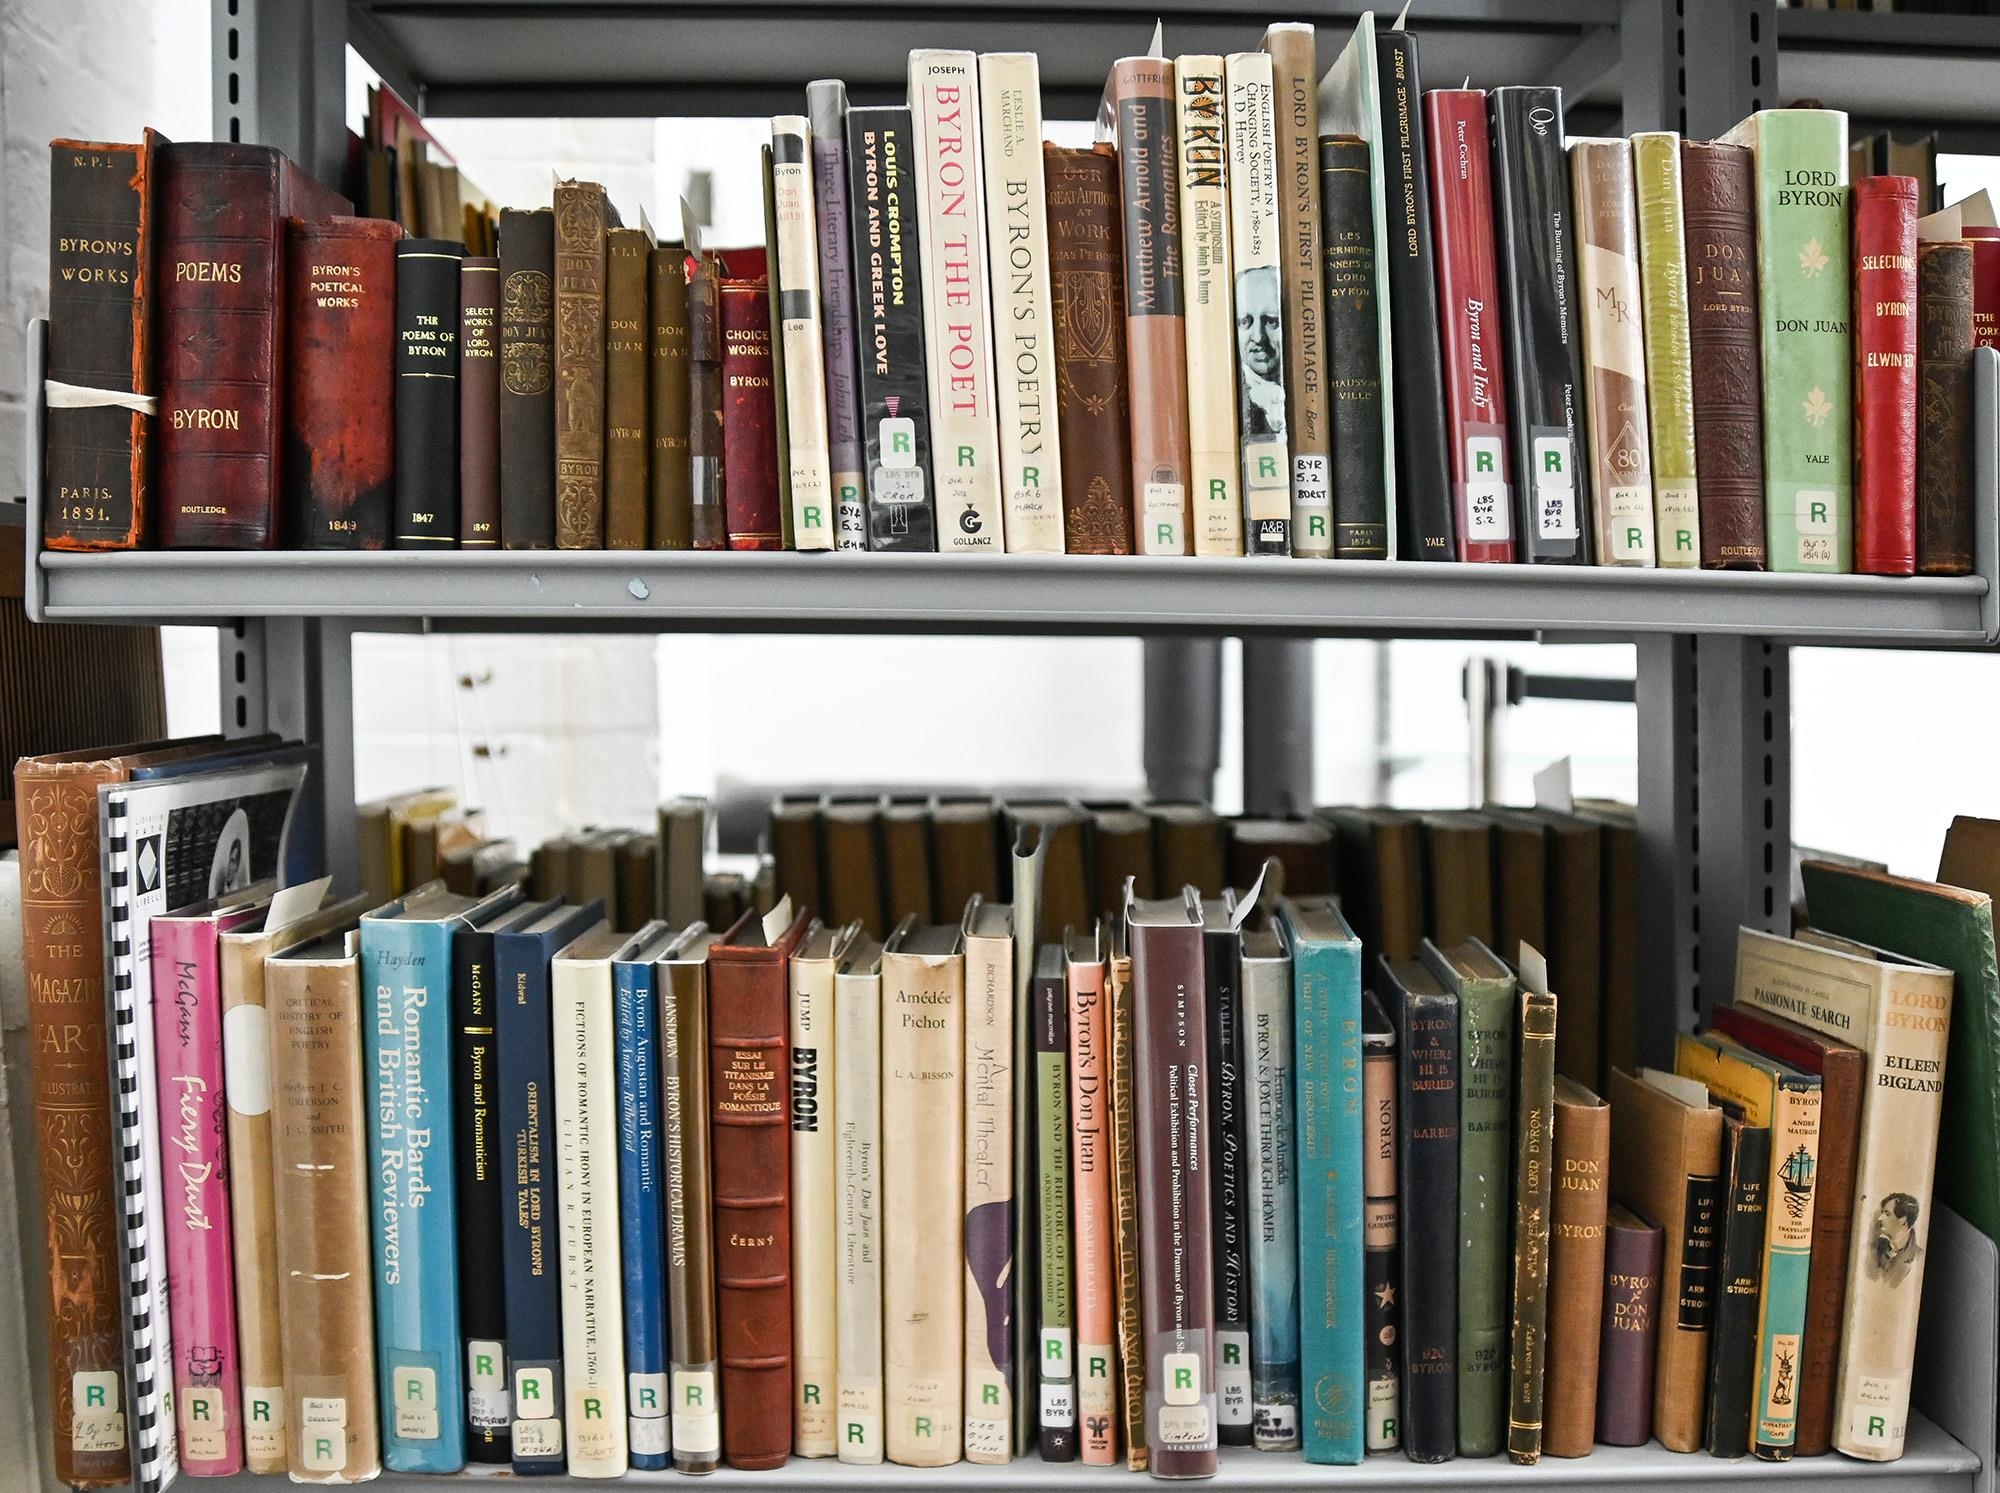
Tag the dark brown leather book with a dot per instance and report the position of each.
(1087, 279)
(1458, 880)
(479, 404)
(1066, 884)
(1353, 349)
(965, 852)
(1190, 847)
(1520, 884)
(1733, 1347)
(593, 869)
(683, 841)
(850, 835)
(221, 320)
(708, 527)
(725, 897)
(684, 1125)
(582, 219)
(527, 379)
(1576, 942)
(794, 847)
(628, 438)
(1581, 1177)
(1619, 918)
(1627, 1344)
(1718, 189)
(340, 402)
(1534, 1189)
(749, 1107)
(638, 858)
(666, 303)
(750, 471)
(1380, 857)
(1944, 403)
(1304, 847)
(1121, 845)
(101, 293)
(906, 862)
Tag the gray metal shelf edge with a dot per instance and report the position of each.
(657, 590)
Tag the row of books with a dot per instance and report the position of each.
(1271, 312)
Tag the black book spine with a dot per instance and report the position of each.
(1354, 349)
(1427, 1142)
(427, 393)
(888, 289)
(1423, 486)
(1536, 231)
(527, 380)
(482, 1277)
(1732, 1353)
(1229, 1213)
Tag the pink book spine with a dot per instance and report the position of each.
(201, 1295)
(1090, 1153)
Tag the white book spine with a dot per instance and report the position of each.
(857, 1120)
(989, 1194)
(958, 332)
(814, 1092)
(1017, 234)
(803, 351)
(1207, 293)
(586, 1066)
(1259, 324)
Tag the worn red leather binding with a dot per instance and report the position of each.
(1985, 284)
(749, 1099)
(749, 418)
(1885, 375)
(340, 401)
(222, 314)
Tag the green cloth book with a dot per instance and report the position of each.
(1663, 282)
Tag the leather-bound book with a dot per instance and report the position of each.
(1580, 1178)
(850, 837)
(749, 419)
(1718, 194)
(426, 513)
(638, 867)
(527, 379)
(1618, 850)
(1380, 854)
(1886, 458)
(1576, 942)
(1353, 349)
(794, 847)
(479, 403)
(1191, 847)
(1944, 396)
(1295, 118)
(101, 293)
(1066, 883)
(965, 852)
(1627, 1345)
(749, 1107)
(684, 1122)
(340, 402)
(1458, 877)
(627, 402)
(906, 862)
(1121, 846)
(1520, 881)
(1985, 243)
(826, 111)
(221, 323)
(707, 525)
(1732, 1366)
(1086, 278)
(1304, 847)
(667, 397)
(582, 219)
(1534, 1181)
(683, 838)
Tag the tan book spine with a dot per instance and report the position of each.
(1125, 1212)
(627, 404)
(1203, 158)
(684, 1111)
(580, 273)
(1096, 1289)
(668, 475)
(804, 350)
(1576, 1269)
(857, 1118)
(815, 1087)
(989, 1194)
(1294, 77)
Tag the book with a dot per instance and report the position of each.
(886, 205)
(527, 378)
(682, 980)
(683, 836)
(220, 273)
(1604, 191)
(427, 393)
(906, 859)
(751, 476)
(103, 239)
(1137, 117)
(1580, 1178)
(1201, 108)
(1303, 848)
(815, 1082)
(1307, 425)
(1886, 338)
(851, 848)
(766, 275)
(479, 403)
(1361, 523)
(1732, 1370)
(796, 275)
(642, 1189)
(1626, 1347)
(1176, 1297)
(340, 343)
(668, 520)
(1121, 849)
(826, 111)
(627, 403)
(1326, 975)
(1718, 196)
(1131, 1427)
(1469, 323)
(1086, 280)
(1026, 403)
(1662, 219)
(1799, 164)
(1380, 856)
(857, 1119)
(987, 930)
(1255, 252)
(1535, 234)
(1944, 377)
(1458, 877)
(1229, 1219)
(1056, 1373)
(1027, 856)
(1378, 1170)
(582, 219)
(1090, 1158)
(1576, 922)
(707, 514)
(1534, 1185)
(923, 1218)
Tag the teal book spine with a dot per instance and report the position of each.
(1327, 978)
(406, 985)
(1787, 1262)
(1485, 1156)
(1266, 1037)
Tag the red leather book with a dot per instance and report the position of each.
(1475, 394)
(1885, 375)
(1985, 284)
(339, 466)
(222, 329)
(749, 1095)
(749, 418)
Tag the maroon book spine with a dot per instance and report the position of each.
(1633, 1250)
(340, 401)
(479, 404)
(749, 419)
(222, 313)
(1885, 375)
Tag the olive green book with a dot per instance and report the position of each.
(1663, 282)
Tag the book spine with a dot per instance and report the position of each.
(1427, 1110)
(1057, 1360)
(1787, 1265)
(586, 1103)
(797, 272)
(1259, 306)
(1614, 351)
(1577, 1210)
(708, 525)
(815, 1083)
(101, 294)
(1141, 94)
(1125, 1213)
(246, 1065)
(1090, 1156)
(406, 971)
(766, 276)
(1733, 1356)
(1626, 1346)
(188, 1034)
(527, 379)
(826, 105)
(479, 403)
(1944, 373)
(1662, 218)
(1086, 278)
(641, 1214)
(1308, 430)
(1534, 1184)
(482, 1285)
(857, 1112)
(749, 417)
(1475, 385)
(1332, 1204)
(1017, 234)
(340, 342)
(1229, 1219)
(1384, 1361)
(667, 392)
(427, 398)
(888, 286)
(1985, 284)
(690, 1241)
(627, 404)
(1718, 188)
(580, 265)
(1488, 1140)
(1354, 349)
(989, 1206)
(1203, 157)
(1886, 371)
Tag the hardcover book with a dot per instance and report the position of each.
(804, 352)
(1534, 1183)
(1201, 117)
(1255, 253)
(1308, 430)
(1944, 378)
(1885, 375)
(1131, 1427)
(1096, 1282)
(1361, 523)
(1662, 219)
(427, 397)
(582, 219)
(1378, 1171)
(857, 1120)
(527, 378)
(627, 406)
(682, 978)
(766, 276)
(1580, 1177)
(1056, 1372)
(751, 496)
(826, 110)
(707, 521)
(479, 403)
(1732, 1369)
(1229, 1219)
(990, 1266)
(642, 1191)
(814, 1188)
(668, 525)
(1627, 1345)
